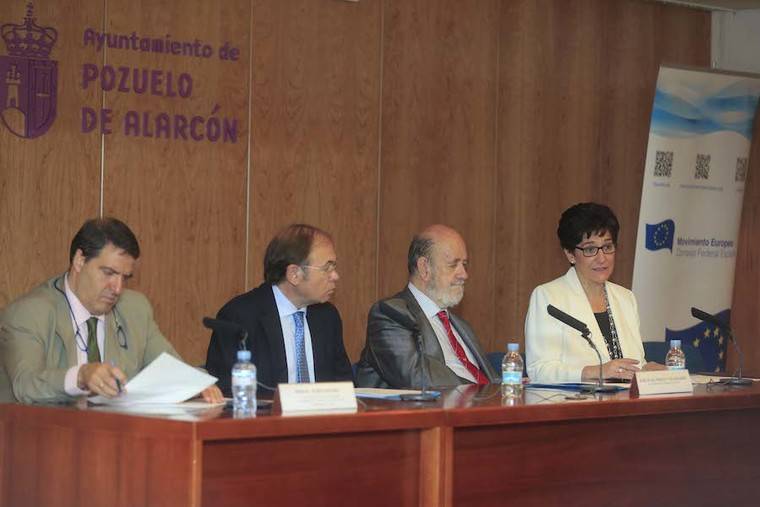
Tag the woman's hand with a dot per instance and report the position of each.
(652, 366)
(617, 368)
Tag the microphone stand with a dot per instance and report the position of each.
(600, 387)
(424, 395)
(736, 380)
(709, 318)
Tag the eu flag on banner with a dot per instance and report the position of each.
(708, 339)
(660, 235)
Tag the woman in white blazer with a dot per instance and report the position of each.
(555, 352)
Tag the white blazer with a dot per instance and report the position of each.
(554, 351)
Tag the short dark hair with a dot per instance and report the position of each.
(421, 246)
(96, 233)
(586, 219)
(292, 245)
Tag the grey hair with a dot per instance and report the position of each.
(421, 246)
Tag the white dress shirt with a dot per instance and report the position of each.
(431, 309)
(286, 309)
(79, 317)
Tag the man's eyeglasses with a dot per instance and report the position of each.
(591, 250)
(328, 267)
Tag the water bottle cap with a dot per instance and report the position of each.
(244, 355)
(675, 343)
(513, 347)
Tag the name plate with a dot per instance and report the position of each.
(319, 397)
(645, 383)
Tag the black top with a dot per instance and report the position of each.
(604, 325)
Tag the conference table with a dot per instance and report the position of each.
(471, 447)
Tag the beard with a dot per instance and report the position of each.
(449, 296)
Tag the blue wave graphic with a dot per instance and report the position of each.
(729, 109)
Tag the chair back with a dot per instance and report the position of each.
(656, 351)
(495, 358)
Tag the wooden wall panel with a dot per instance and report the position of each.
(576, 89)
(185, 199)
(548, 137)
(745, 317)
(438, 139)
(49, 184)
(316, 81)
(369, 119)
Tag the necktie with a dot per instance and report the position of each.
(93, 352)
(302, 367)
(474, 370)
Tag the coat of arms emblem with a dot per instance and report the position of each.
(28, 77)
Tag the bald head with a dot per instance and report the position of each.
(437, 264)
(440, 233)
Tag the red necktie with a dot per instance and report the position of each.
(474, 370)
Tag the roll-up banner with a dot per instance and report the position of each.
(696, 165)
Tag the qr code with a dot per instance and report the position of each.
(741, 169)
(702, 169)
(663, 163)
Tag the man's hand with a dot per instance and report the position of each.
(101, 378)
(212, 394)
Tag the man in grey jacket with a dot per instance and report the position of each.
(412, 337)
(82, 332)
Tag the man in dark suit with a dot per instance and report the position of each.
(412, 338)
(294, 334)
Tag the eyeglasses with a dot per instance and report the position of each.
(328, 267)
(591, 250)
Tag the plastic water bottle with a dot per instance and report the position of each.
(244, 384)
(511, 371)
(675, 359)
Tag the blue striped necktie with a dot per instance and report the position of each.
(302, 367)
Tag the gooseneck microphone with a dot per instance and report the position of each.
(227, 328)
(585, 332)
(570, 321)
(407, 322)
(709, 318)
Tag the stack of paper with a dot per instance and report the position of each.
(165, 380)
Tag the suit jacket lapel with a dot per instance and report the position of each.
(431, 346)
(473, 345)
(270, 320)
(586, 315)
(316, 329)
(64, 326)
(621, 323)
(111, 341)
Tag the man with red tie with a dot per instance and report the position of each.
(412, 338)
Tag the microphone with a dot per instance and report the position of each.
(709, 318)
(227, 327)
(585, 332)
(407, 322)
(570, 321)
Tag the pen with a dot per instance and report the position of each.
(118, 382)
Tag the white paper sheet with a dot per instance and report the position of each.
(188, 411)
(165, 380)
